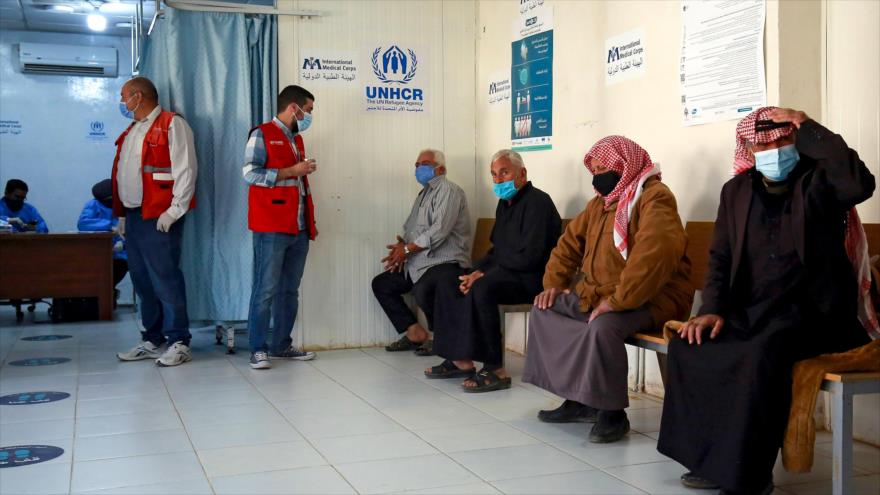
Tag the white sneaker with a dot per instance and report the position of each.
(175, 355)
(260, 361)
(143, 350)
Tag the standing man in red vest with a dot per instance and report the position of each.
(282, 217)
(154, 182)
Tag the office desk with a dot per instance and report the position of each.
(34, 266)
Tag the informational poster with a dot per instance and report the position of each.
(625, 57)
(336, 68)
(395, 79)
(722, 60)
(499, 90)
(531, 76)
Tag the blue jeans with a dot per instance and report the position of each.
(154, 265)
(279, 261)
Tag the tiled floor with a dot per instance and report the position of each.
(354, 421)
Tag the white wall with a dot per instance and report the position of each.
(54, 153)
(364, 186)
(852, 108)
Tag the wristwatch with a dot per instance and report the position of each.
(406, 250)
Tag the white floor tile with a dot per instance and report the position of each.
(127, 423)
(645, 420)
(822, 466)
(123, 405)
(508, 405)
(360, 448)
(118, 390)
(37, 479)
(306, 481)
(196, 486)
(481, 488)
(395, 475)
(243, 433)
(584, 482)
(862, 485)
(247, 394)
(310, 406)
(518, 462)
(132, 444)
(232, 414)
(35, 432)
(62, 409)
(259, 458)
(475, 437)
(431, 415)
(343, 425)
(632, 449)
(865, 457)
(134, 471)
(659, 477)
(553, 432)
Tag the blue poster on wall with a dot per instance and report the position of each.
(531, 76)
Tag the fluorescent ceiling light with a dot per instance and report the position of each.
(117, 8)
(96, 22)
(66, 9)
(123, 25)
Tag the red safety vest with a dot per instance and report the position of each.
(155, 170)
(276, 209)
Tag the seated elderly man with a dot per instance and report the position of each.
(434, 247)
(630, 245)
(466, 321)
(780, 288)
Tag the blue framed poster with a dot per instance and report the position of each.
(531, 77)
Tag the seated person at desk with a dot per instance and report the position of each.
(630, 246)
(22, 216)
(467, 324)
(97, 216)
(780, 288)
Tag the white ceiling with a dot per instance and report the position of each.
(35, 15)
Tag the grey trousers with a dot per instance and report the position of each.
(580, 361)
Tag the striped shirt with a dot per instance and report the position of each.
(255, 171)
(440, 223)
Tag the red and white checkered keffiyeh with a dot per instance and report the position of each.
(633, 164)
(856, 241)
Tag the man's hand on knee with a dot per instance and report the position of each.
(547, 298)
(692, 330)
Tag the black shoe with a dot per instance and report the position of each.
(569, 412)
(691, 480)
(610, 426)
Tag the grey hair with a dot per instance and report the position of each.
(438, 155)
(514, 157)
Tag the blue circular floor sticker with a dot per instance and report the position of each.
(27, 398)
(40, 361)
(46, 338)
(23, 455)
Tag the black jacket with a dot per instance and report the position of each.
(828, 181)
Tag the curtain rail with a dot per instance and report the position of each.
(209, 6)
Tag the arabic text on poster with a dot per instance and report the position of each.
(625, 56)
(722, 60)
(531, 76)
(337, 68)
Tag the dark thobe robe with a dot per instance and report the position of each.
(467, 327)
(780, 277)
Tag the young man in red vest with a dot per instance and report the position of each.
(282, 217)
(154, 181)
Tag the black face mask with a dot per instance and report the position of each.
(605, 183)
(14, 204)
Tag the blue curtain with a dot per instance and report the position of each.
(219, 71)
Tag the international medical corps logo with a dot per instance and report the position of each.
(396, 67)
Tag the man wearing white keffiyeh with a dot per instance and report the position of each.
(780, 288)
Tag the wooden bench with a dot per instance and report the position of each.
(482, 244)
(842, 386)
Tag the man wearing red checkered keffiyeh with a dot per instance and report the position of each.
(629, 244)
(780, 288)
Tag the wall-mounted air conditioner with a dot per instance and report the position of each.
(68, 60)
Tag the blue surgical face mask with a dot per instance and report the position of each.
(123, 109)
(424, 174)
(305, 123)
(504, 190)
(776, 164)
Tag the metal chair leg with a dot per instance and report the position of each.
(842, 424)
